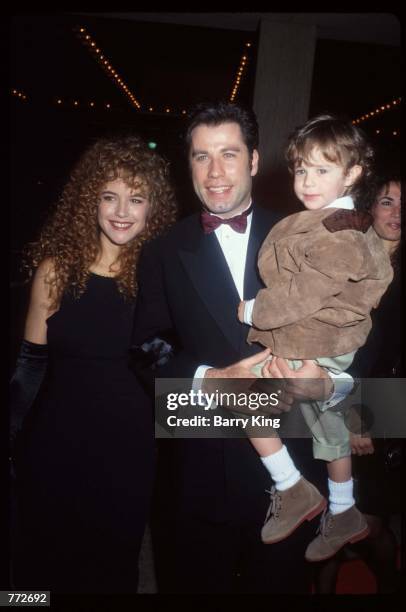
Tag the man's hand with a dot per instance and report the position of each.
(241, 311)
(241, 369)
(240, 380)
(361, 445)
(309, 382)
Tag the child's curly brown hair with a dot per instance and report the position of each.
(340, 142)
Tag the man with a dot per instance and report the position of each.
(211, 499)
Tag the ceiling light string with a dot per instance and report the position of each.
(18, 94)
(380, 109)
(240, 72)
(76, 103)
(102, 60)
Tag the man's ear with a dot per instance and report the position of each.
(352, 175)
(254, 162)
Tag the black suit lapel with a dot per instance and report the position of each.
(204, 263)
(262, 222)
(260, 226)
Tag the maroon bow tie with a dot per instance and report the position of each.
(211, 222)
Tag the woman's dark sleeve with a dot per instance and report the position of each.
(25, 383)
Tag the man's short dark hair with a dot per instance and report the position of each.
(216, 113)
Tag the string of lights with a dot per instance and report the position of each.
(91, 45)
(18, 94)
(71, 103)
(81, 104)
(383, 133)
(100, 57)
(86, 104)
(165, 110)
(240, 72)
(377, 111)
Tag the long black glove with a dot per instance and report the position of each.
(25, 383)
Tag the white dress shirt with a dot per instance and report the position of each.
(234, 246)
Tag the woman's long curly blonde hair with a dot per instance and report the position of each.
(70, 237)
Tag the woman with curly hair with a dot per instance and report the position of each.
(85, 454)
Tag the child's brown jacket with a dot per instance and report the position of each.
(324, 271)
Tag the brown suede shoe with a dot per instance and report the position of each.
(289, 509)
(335, 531)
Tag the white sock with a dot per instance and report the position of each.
(282, 469)
(340, 496)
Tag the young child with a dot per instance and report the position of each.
(324, 270)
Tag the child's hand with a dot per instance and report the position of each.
(361, 445)
(241, 311)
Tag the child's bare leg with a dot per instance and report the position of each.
(340, 470)
(340, 485)
(266, 446)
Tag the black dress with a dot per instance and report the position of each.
(86, 463)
